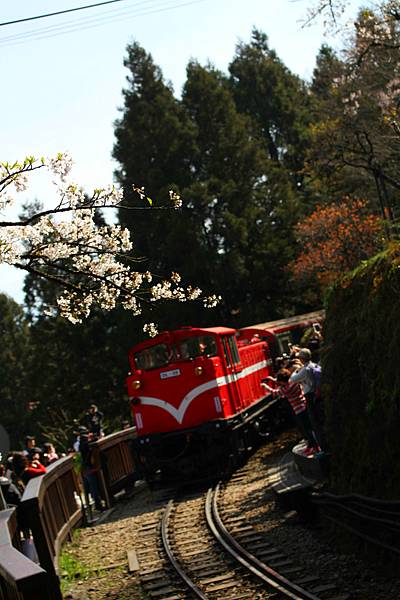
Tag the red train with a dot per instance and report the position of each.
(197, 399)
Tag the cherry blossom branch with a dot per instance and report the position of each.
(92, 264)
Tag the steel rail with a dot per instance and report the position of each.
(363, 536)
(174, 562)
(262, 571)
(382, 509)
(364, 500)
(351, 510)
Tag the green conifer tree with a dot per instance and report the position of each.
(15, 387)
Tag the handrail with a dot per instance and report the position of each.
(8, 526)
(366, 500)
(115, 463)
(50, 509)
(371, 519)
(21, 578)
(36, 488)
(109, 440)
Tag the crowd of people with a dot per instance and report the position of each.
(23, 465)
(297, 381)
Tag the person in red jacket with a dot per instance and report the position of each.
(23, 470)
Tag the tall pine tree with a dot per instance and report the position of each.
(233, 235)
(15, 357)
(275, 99)
(246, 203)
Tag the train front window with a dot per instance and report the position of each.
(154, 357)
(193, 347)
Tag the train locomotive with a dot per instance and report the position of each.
(197, 399)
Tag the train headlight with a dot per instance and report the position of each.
(198, 370)
(136, 384)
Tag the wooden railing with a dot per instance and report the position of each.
(114, 459)
(20, 578)
(50, 508)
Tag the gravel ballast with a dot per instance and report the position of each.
(98, 554)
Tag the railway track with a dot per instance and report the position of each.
(201, 547)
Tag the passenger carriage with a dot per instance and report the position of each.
(281, 334)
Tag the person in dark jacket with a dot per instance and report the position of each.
(29, 447)
(94, 422)
(89, 470)
(11, 493)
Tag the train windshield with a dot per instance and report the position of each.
(192, 347)
(163, 354)
(154, 357)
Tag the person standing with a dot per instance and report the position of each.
(306, 376)
(50, 455)
(11, 494)
(94, 422)
(294, 394)
(23, 470)
(89, 470)
(29, 446)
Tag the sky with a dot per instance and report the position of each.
(62, 76)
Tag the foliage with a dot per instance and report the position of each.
(275, 99)
(15, 390)
(330, 10)
(241, 202)
(71, 568)
(84, 364)
(65, 245)
(154, 143)
(335, 239)
(362, 380)
(251, 152)
(356, 141)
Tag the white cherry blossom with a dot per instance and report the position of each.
(151, 329)
(64, 245)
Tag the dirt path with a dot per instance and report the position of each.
(98, 554)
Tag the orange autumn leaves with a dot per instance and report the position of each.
(335, 239)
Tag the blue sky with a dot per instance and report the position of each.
(63, 76)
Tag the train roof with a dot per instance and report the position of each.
(307, 317)
(216, 330)
(166, 336)
(220, 330)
